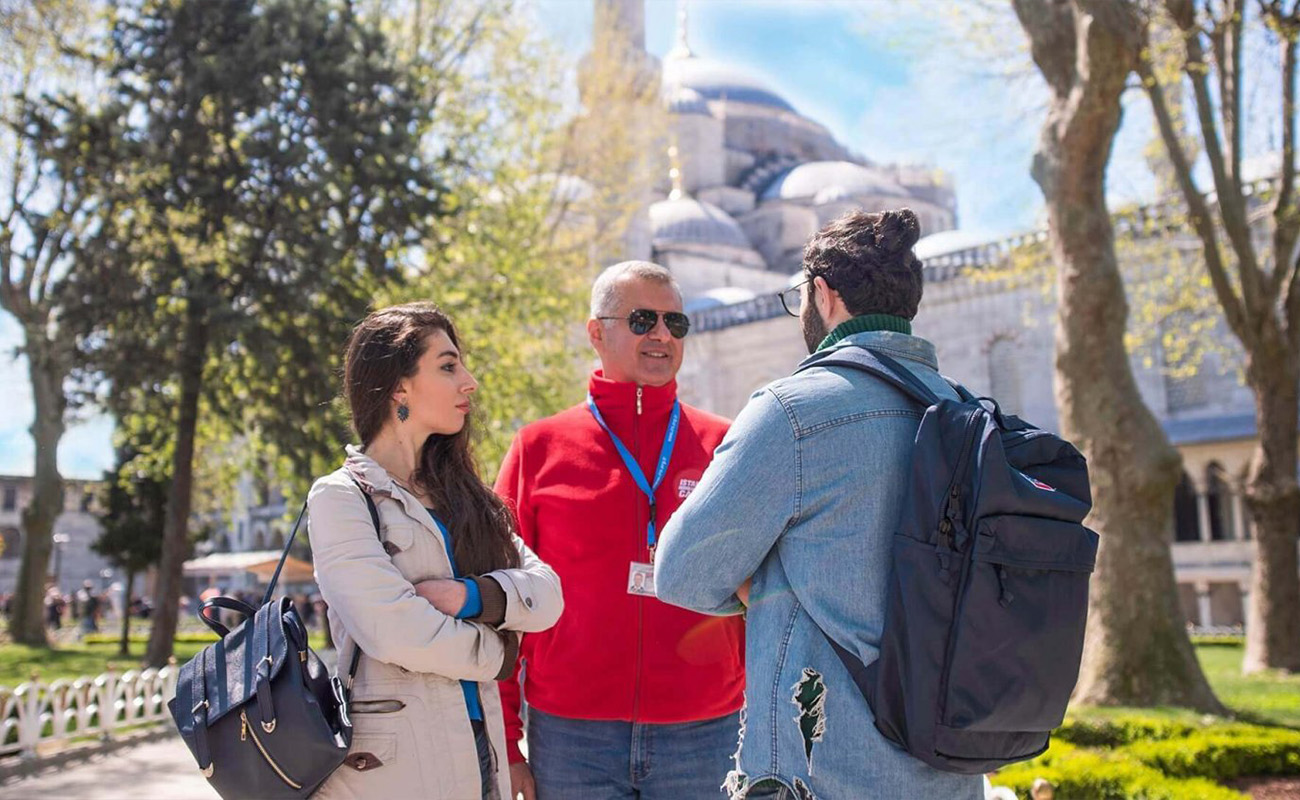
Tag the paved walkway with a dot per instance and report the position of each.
(157, 770)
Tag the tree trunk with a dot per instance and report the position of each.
(47, 372)
(1136, 649)
(176, 544)
(1273, 497)
(124, 645)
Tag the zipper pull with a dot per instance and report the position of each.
(243, 727)
(1005, 597)
(638, 401)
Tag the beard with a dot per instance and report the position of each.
(814, 328)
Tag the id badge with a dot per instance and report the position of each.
(641, 579)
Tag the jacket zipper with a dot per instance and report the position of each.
(245, 731)
(640, 621)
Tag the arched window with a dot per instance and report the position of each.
(1218, 493)
(1004, 374)
(277, 539)
(259, 539)
(11, 544)
(1187, 528)
(1186, 523)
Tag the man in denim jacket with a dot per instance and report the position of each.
(794, 519)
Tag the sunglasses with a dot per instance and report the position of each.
(642, 320)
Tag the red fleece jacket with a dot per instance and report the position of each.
(615, 655)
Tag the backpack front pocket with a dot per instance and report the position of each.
(1018, 630)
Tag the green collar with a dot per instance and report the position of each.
(864, 323)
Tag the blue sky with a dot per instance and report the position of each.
(895, 80)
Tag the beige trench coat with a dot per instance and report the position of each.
(411, 735)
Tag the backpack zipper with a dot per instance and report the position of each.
(245, 731)
(960, 595)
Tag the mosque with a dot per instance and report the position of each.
(754, 178)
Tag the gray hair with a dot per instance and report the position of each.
(604, 292)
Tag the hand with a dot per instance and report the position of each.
(521, 781)
(743, 592)
(444, 594)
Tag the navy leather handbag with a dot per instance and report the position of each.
(258, 709)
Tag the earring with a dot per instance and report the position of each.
(403, 412)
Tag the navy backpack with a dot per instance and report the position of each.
(988, 593)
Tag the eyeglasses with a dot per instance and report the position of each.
(792, 297)
(643, 320)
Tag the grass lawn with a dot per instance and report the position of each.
(1267, 698)
(18, 662)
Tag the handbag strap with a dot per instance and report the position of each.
(275, 577)
(356, 648)
(228, 603)
(199, 713)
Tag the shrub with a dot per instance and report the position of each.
(1223, 755)
(1089, 775)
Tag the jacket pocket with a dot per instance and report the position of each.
(1019, 626)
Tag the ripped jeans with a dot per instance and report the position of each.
(769, 790)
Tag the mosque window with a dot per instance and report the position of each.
(1218, 493)
(1187, 527)
(1004, 374)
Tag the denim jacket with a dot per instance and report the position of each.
(804, 495)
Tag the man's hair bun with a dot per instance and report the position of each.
(897, 231)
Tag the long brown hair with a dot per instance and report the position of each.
(384, 348)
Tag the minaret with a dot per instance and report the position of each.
(682, 49)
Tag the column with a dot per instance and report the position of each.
(1203, 616)
(1203, 514)
(1238, 516)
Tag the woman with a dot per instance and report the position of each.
(437, 600)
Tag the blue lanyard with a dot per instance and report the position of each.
(665, 455)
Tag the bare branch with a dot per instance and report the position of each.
(1202, 221)
(1231, 203)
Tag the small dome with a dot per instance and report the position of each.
(684, 100)
(721, 296)
(690, 221)
(945, 242)
(830, 181)
(715, 81)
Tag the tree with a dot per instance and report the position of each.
(1136, 651)
(1258, 288)
(539, 196)
(266, 156)
(44, 219)
(134, 509)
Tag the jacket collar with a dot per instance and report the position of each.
(901, 345)
(376, 482)
(618, 398)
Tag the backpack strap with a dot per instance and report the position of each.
(878, 364)
(356, 648)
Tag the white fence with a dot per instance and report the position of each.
(37, 713)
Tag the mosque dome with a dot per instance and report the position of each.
(829, 181)
(684, 100)
(714, 80)
(721, 296)
(947, 242)
(686, 220)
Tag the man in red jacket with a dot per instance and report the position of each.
(628, 697)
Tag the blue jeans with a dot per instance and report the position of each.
(574, 759)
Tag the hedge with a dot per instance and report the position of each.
(1087, 775)
(1223, 755)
